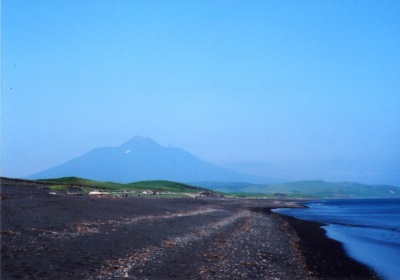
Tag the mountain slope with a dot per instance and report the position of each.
(142, 159)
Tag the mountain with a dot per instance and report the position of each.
(143, 159)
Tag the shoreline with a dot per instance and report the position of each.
(324, 256)
(79, 237)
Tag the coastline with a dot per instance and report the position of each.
(324, 256)
(58, 236)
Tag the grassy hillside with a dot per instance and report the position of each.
(164, 186)
(306, 189)
(76, 181)
(84, 186)
(322, 189)
(301, 189)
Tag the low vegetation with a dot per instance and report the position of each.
(296, 190)
(77, 186)
(59, 187)
(310, 189)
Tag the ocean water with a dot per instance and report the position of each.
(369, 229)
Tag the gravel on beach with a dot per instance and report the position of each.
(47, 236)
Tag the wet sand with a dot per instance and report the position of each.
(46, 236)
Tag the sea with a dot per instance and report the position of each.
(369, 229)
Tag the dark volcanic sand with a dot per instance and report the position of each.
(46, 236)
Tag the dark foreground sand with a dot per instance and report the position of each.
(46, 236)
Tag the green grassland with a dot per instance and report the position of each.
(305, 189)
(322, 189)
(159, 187)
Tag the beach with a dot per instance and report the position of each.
(57, 236)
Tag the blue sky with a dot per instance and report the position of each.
(284, 89)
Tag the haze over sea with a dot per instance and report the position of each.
(368, 228)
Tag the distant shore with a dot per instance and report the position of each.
(47, 236)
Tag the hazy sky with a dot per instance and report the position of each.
(284, 89)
